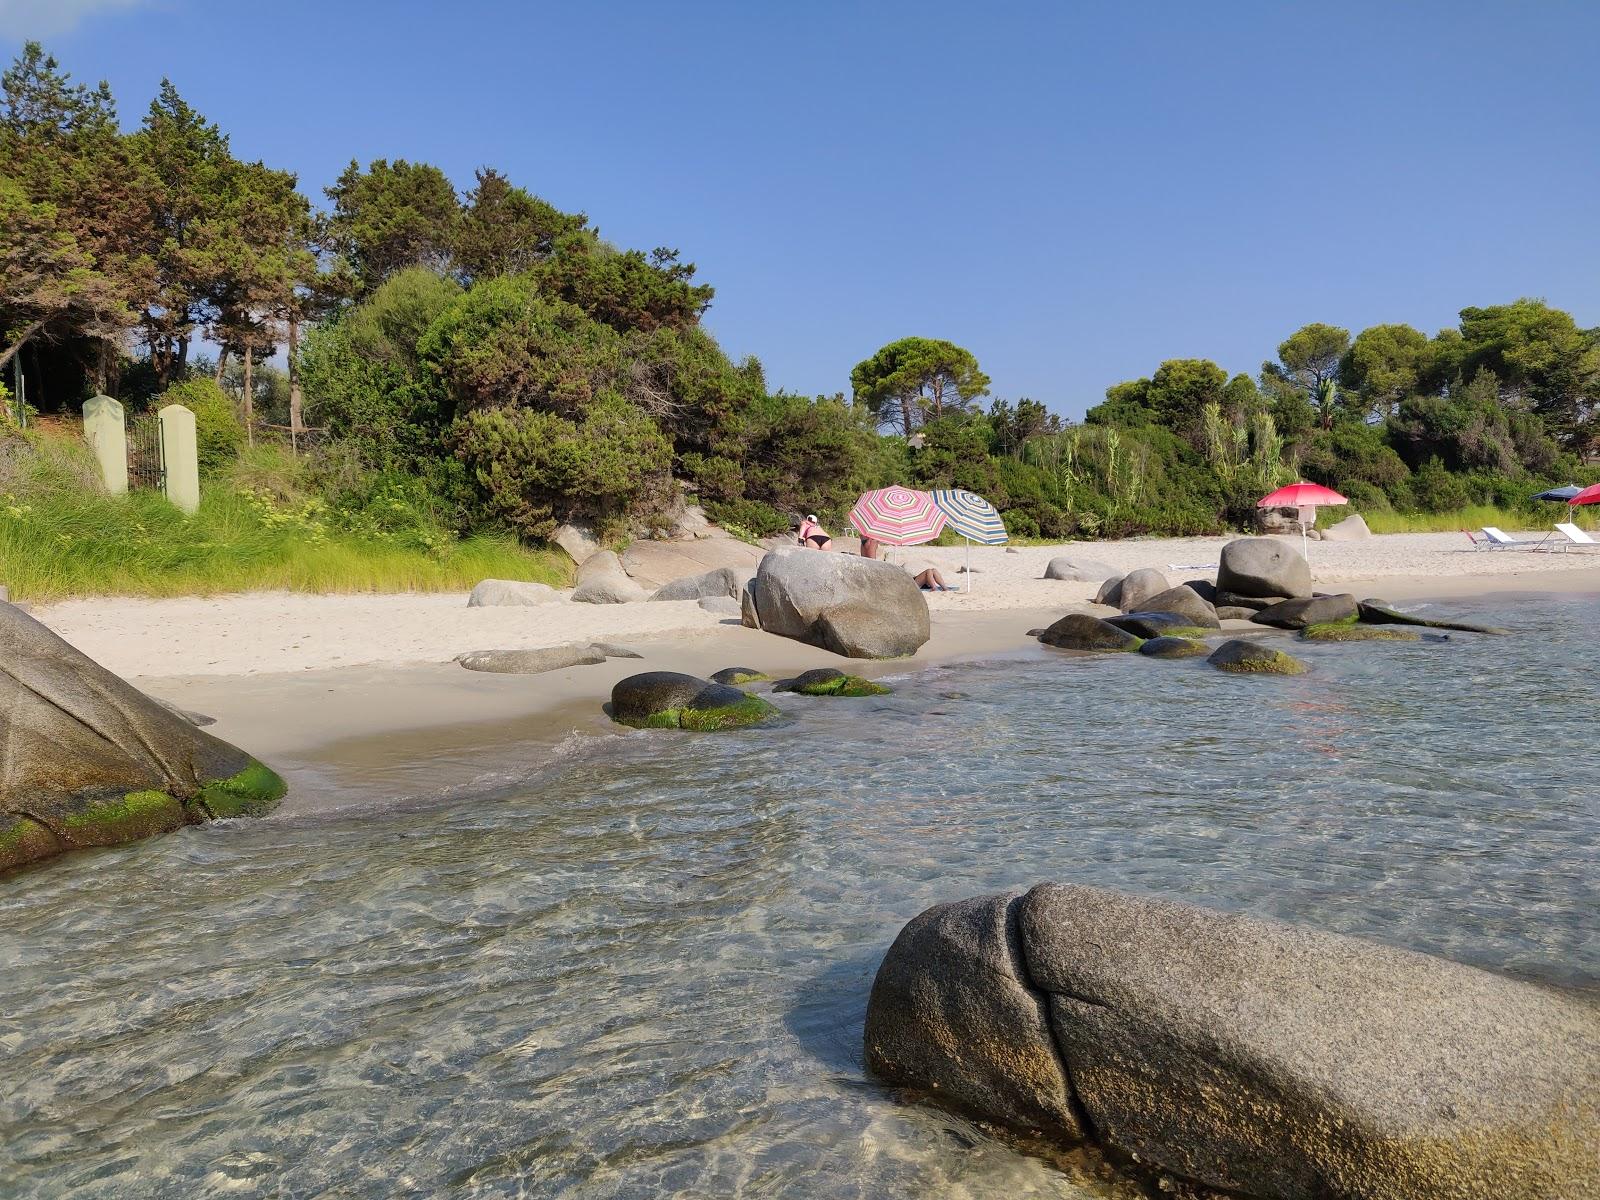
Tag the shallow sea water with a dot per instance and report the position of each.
(643, 972)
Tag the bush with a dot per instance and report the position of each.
(755, 516)
(217, 429)
(537, 469)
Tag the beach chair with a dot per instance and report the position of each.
(1575, 537)
(1496, 539)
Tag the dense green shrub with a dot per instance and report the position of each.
(751, 516)
(218, 431)
(537, 469)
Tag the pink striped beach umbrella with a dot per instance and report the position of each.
(897, 516)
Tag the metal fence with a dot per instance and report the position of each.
(145, 466)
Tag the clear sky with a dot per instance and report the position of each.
(1074, 192)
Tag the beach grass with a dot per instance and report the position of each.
(61, 537)
(1473, 518)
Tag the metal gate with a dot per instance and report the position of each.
(146, 469)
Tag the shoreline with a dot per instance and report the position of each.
(350, 737)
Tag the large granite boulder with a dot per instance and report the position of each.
(579, 541)
(1263, 567)
(1314, 610)
(1078, 570)
(1138, 587)
(86, 759)
(726, 582)
(1185, 602)
(601, 580)
(856, 607)
(498, 593)
(1079, 631)
(671, 700)
(1157, 624)
(1247, 1056)
(1352, 529)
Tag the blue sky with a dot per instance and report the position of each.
(1073, 192)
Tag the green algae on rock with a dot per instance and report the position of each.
(735, 676)
(92, 761)
(827, 681)
(672, 700)
(1241, 657)
(1341, 631)
(1171, 646)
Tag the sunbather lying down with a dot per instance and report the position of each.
(924, 572)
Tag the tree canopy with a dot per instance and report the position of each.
(916, 380)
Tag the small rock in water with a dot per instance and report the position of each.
(734, 676)
(828, 681)
(1240, 657)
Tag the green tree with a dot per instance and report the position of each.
(1386, 363)
(1308, 360)
(1540, 358)
(915, 380)
(1014, 425)
(504, 229)
(70, 210)
(1174, 398)
(389, 217)
(192, 173)
(623, 289)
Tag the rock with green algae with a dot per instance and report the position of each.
(1168, 646)
(827, 681)
(1381, 612)
(92, 761)
(1079, 631)
(1341, 632)
(734, 676)
(1241, 657)
(672, 700)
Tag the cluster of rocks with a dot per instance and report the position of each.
(92, 761)
(1245, 1056)
(673, 700)
(1260, 580)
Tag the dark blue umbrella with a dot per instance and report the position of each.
(1561, 495)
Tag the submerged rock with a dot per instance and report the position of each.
(828, 681)
(1315, 610)
(1157, 624)
(1243, 1055)
(89, 760)
(671, 700)
(733, 676)
(1241, 657)
(1263, 567)
(1167, 646)
(1079, 631)
(1377, 612)
(1343, 632)
(855, 607)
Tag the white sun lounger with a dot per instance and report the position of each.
(1574, 537)
(1499, 540)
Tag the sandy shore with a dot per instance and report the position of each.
(356, 698)
(275, 632)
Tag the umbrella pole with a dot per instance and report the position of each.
(969, 563)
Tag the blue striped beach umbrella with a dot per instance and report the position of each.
(973, 517)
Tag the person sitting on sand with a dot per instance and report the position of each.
(813, 536)
(925, 573)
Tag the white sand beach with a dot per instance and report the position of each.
(278, 632)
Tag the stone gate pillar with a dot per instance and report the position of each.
(180, 459)
(107, 434)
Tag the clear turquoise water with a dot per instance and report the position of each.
(643, 972)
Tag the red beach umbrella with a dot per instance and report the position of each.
(1589, 495)
(1303, 496)
(897, 516)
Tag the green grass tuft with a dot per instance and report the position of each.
(257, 529)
